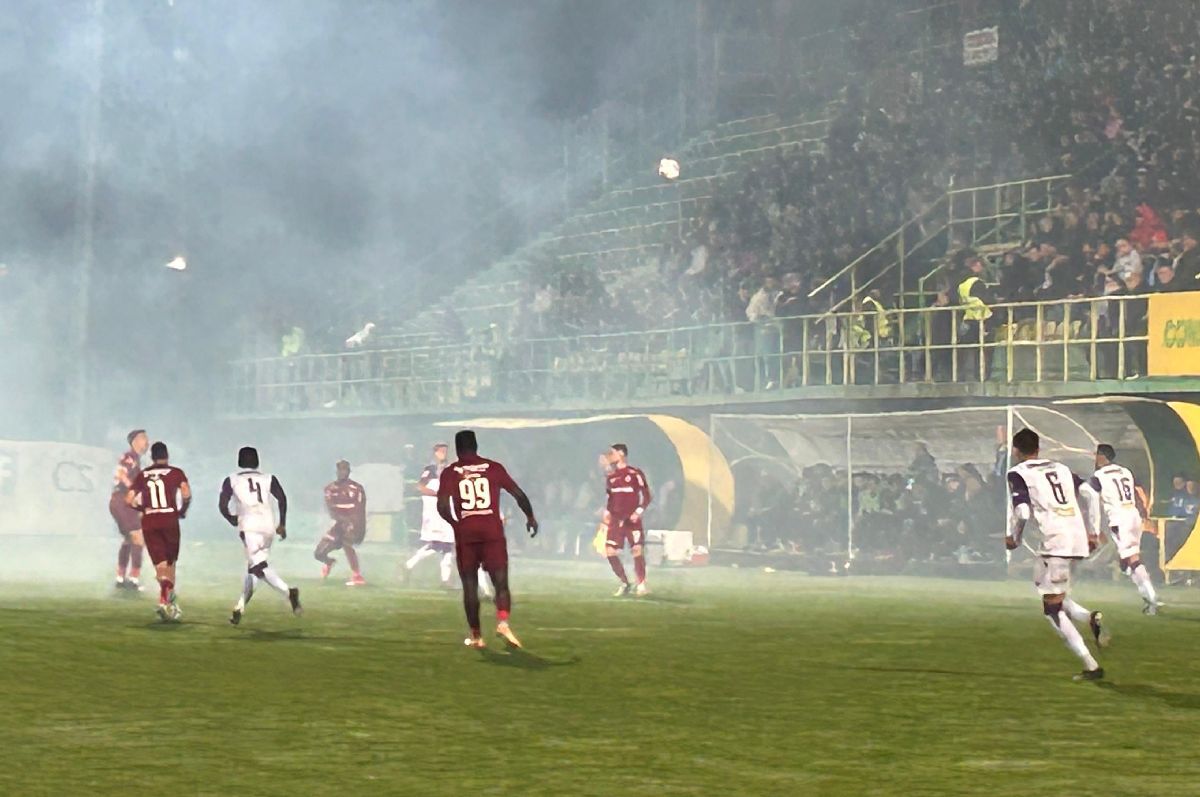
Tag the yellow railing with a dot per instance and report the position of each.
(1071, 340)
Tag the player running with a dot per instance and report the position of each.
(437, 537)
(346, 501)
(469, 500)
(1125, 513)
(255, 522)
(129, 522)
(161, 494)
(628, 496)
(1046, 492)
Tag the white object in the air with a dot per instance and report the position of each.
(360, 337)
(668, 169)
(178, 264)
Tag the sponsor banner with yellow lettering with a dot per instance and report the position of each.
(1174, 346)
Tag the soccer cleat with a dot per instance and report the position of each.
(119, 583)
(325, 568)
(1150, 608)
(236, 617)
(176, 612)
(294, 599)
(164, 612)
(356, 581)
(133, 584)
(1090, 675)
(475, 642)
(624, 590)
(642, 590)
(504, 631)
(1095, 622)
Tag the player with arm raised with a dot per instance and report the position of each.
(255, 521)
(469, 500)
(161, 494)
(346, 502)
(129, 522)
(628, 496)
(1124, 513)
(1047, 494)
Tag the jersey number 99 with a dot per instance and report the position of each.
(475, 494)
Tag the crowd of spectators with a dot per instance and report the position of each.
(919, 514)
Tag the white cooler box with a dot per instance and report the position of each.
(668, 547)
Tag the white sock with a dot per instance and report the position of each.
(247, 593)
(1069, 634)
(1141, 580)
(1076, 612)
(423, 553)
(445, 567)
(270, 576)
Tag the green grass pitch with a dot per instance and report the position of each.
(724, 682)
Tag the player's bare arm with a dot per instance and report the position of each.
(223, 503)
(185, 492)
(523, 502)
(281, 498)
(1020, 511)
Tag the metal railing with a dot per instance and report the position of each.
(976, 216)
(1063, 341)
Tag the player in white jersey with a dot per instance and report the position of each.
(1047, 494)
(437, 537)
(255, 521)
(1124, 513)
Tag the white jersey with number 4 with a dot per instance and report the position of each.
(1116, 487)
(252, 491)
(1048, 489)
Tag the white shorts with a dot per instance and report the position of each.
(1128, 539)
(436, 531)
(258, 546)
(1052, 575)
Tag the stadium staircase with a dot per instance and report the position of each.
(638, 217)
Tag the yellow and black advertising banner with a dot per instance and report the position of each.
(1175, 334)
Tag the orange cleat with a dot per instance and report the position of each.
(356, 580)
(475, 642)
(504, 631)
(325, 569)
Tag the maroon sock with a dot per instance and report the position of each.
(352, 558)
(123, 559)
(639, 567)
(618, 568)
(164, 590)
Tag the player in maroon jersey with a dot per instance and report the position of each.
(628, 496)
(161, 494)
(469, 500)
(346, 501)
(129, 522)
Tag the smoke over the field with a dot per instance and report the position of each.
(324, 163)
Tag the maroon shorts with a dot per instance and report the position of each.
(492, 555)
(346, 531)
(162, 541)
(626, 531)
(127, 518)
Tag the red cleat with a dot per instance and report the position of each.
(356, 581)
(325, 569)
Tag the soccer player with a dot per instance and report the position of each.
(469, 500)
(129, 522)
(437, 537)
(346, 501)
(1125, 513)
(628, 497)
(161, 493)
(255, 522)
(1046, 493)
